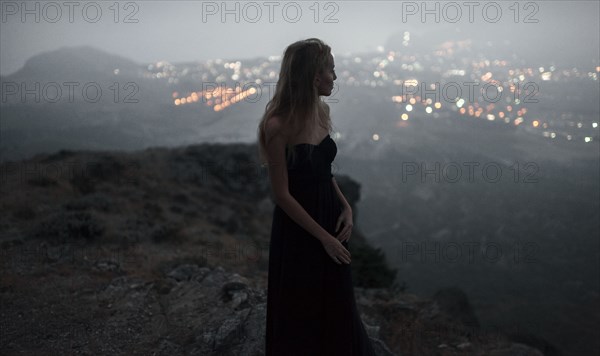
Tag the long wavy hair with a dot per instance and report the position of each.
(296, 100)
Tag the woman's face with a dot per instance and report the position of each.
(324, 81)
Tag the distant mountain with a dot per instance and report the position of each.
(74, 62)
(103, 108)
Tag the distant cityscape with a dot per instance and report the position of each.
(454, 76)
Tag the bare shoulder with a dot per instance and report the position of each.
(273, 124)
(274, 130)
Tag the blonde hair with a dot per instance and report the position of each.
(296, 101)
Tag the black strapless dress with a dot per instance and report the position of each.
(311, 308)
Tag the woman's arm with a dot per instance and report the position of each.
(345, 203)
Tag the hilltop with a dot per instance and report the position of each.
(165, 251)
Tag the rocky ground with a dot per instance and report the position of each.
(76, 300)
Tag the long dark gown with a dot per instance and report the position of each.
(311, 307)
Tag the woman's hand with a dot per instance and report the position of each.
(345, 219)
(336, 251)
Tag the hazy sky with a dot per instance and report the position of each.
(147, 31)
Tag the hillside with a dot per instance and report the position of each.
(165, 251)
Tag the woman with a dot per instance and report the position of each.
(311, 308)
